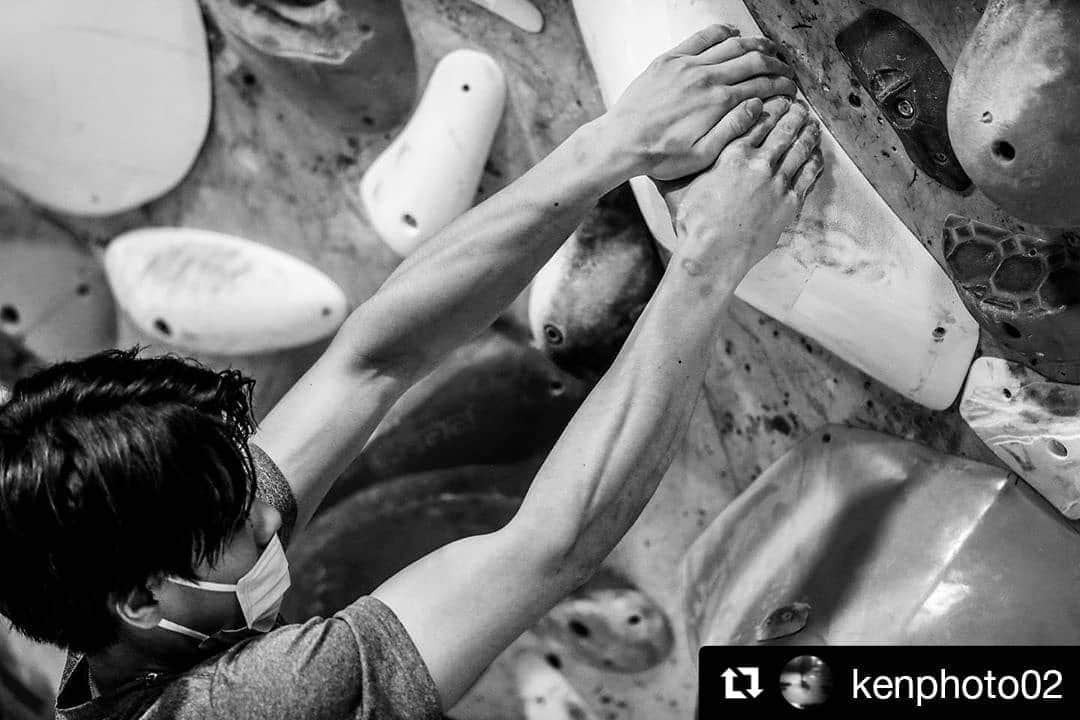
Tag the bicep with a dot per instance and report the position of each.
(464, 603)
(321, 424)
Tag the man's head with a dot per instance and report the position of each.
(115, 472)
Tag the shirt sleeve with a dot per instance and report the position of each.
(360, 663)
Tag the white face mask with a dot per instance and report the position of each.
(260, 592)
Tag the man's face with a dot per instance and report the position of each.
(208, 611)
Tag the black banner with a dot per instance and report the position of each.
(886, 681)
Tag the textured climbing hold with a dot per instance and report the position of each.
(1023, 290)
(1013, 106)
(586, 299)
(1032, 425)
(105, 102)
(214, 293)
(430, 173)
(610, 624)
(888, 542)
(849, 274)
(347, 63)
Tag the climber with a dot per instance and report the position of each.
(143, 516)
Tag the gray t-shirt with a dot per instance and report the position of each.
(359, 663)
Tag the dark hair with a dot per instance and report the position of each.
(115, 469)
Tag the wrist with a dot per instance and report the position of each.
(616, 157)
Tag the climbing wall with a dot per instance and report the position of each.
(282, 166)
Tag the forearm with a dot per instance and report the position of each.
(611, 457)
(460, 280)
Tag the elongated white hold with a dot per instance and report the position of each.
(849, 274)
(103, 103)
(430, 173)
(545, 692)
(54, 299)
(219, 294)
(1032, 424)
(519, 12)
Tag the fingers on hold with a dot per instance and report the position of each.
(808, 174)
(806, 142)
(771, 112)
(705, 38)
(734, 123)
(765, 86)
(750, 65)
(735, 47)
(786, 131)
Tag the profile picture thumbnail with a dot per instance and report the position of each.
(806, 682)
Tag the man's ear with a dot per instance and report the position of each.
(139, 607)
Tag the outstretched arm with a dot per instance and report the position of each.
(464, 603)
(672, 121)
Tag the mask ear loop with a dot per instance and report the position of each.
(203, 585)
(177, 628)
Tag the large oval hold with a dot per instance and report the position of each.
(349, 64)
(105, 103)
(1013, 106)
(1031, 424)
(430, 173)
(859, 537)
(213, 293)
(848, 273)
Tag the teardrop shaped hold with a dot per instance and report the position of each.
(213, 293)
(885, 541)
(585, 300)
(849, 273)
(55, 303)
(349, 64)
(1024, 291)
(519, 12)
(431, 172)
(1032, 425)
(1013, 109)
(105, 102)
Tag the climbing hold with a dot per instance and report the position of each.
(431, 172)
(106, 102)
(849, 274)
(1023, 290)
(1013, 107)
(1032, 425)
(519, 12)
(910, 86)
(611, 625)
(347, 63)
(888, 542)
(55, 302)
(214, 293)
(545, 692)
(586, 299)
(350, 549)
(495, 400)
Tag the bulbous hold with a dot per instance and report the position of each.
(1013, 105)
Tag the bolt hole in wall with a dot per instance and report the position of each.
(939, 332)
(1003, 151)
(409, 220)
(162, 327)
(9, 314)
(1057, 448)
